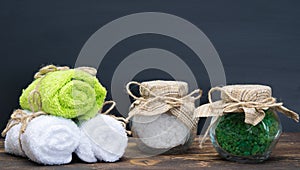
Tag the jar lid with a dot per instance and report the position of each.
(164, 88)
(246, 93)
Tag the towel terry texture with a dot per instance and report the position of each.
(48, 140)
(12, 144)
(85, 151)
(68, 93)
(103, 138)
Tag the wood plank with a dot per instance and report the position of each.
(286, 155)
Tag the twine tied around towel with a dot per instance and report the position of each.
(20, 117)
(47, 69)
(251, 100)
(52, 68)
(122, 120)
(162, 98)
(17, 117)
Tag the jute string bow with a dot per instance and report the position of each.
(52, 68)
(250, 100)
(158, 97)
(34, 99)
(20, 117)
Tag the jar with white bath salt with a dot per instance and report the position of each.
(245, 127)
(162, 117)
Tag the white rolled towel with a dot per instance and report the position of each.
(85, 151)
(48, 140)
(11, 143)
(107, 138)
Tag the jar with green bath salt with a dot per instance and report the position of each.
(245, 126)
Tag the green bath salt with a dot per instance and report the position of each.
(241, 139)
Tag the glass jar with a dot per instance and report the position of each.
(238, 141)
(245, 126)
(162, 118)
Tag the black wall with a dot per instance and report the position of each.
(258, 42)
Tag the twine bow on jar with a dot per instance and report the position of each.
(158, 97)
(251, 100)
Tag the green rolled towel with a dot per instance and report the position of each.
(68, 93)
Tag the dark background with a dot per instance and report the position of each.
(258, 42)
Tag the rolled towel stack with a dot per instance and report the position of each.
(48, 140)
(48, 135)
(105, 139)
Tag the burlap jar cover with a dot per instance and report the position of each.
(250, 100)
(160, 97)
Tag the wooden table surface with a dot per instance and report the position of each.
(285, 156)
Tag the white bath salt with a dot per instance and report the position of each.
(166, 131)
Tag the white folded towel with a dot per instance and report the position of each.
(85, 150)
(107, 137)
(48, 140)
(12, 144)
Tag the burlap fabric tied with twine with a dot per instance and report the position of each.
(163, 108)
(251, 100)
